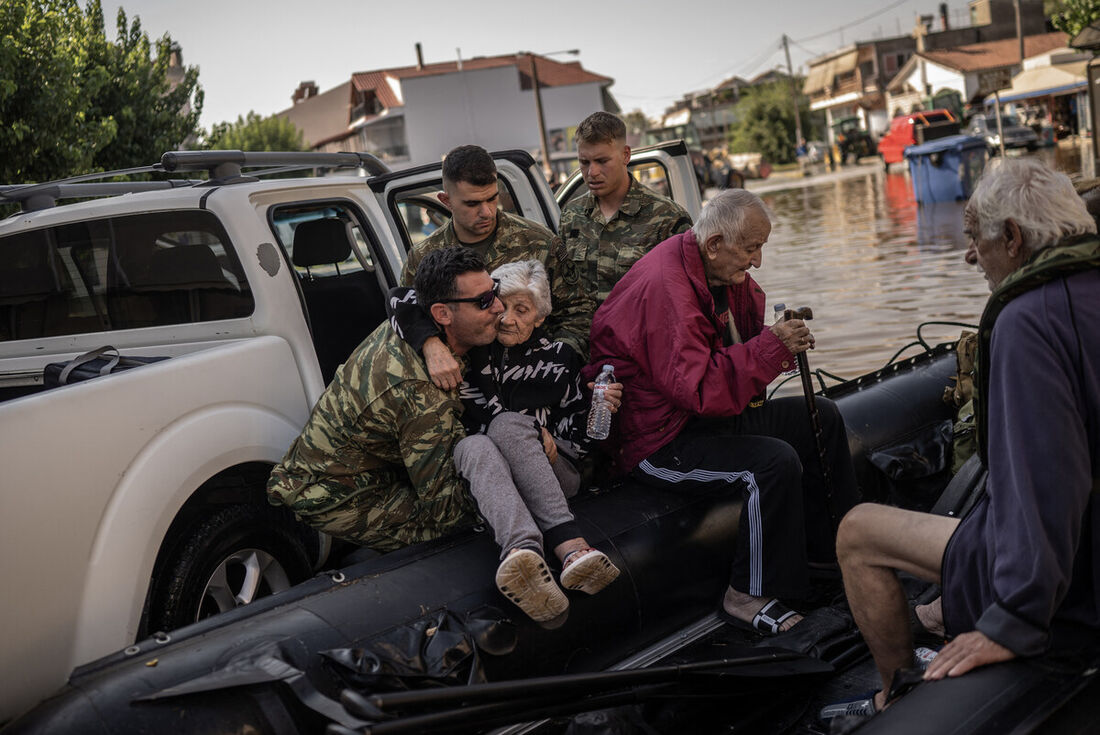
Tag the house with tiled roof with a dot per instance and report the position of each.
(854, 80)
(974, 70)
(414, 114)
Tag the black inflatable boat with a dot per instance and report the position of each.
(420, 640)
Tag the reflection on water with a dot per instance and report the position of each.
(872, 265)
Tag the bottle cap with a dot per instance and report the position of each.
(779, 307)
(608, 367)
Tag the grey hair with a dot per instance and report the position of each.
(529, 276)
(1040, 200)
(725, 215)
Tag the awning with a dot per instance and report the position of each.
(822, 75)
(846, 63)
(819, 76)
(1045, 81)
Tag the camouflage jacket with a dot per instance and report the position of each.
(515, 239)
(603, 250)
(381, 439)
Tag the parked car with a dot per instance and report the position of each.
(1016, 135)
(134, 502)
(914, 129)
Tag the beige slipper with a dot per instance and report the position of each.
(588, 570)
(525, 580)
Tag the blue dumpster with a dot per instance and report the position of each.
(946, 169)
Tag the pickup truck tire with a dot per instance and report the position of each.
(238, 554)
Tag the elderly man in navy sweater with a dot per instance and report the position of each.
(1021, 572)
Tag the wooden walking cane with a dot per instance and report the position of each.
(806, 314)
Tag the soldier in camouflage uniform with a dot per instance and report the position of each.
(470, 192)
(619, 220)
(373, 464)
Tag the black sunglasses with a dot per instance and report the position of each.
(484, 301)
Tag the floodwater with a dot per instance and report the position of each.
(872, 264)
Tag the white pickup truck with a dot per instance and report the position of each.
(134, 503)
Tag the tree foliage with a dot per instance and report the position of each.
(1071, 16)
(636, 123)
(765, 122)
(71, 101)
(255, 133)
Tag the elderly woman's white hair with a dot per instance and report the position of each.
(725, 215)
(529, 276)
(1040, 200)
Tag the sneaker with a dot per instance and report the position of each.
(525, 580)
(588, 570)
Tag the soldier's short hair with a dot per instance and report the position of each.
(528, 276)
(437, 275)
(469, 163)
(601, 127)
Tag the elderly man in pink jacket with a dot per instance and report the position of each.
(685, 332)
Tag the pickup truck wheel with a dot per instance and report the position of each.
(239, 554)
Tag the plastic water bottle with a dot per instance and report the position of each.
(599, 416)
(780, 315)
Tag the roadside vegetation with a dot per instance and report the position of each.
(72, 101)
(765, 122)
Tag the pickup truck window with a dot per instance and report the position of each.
(419, 212)
(345, 295)
(124, 272)
(651, 173)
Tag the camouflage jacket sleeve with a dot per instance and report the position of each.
(428, 428)
(407, 318)
(571, 319)
(679, 225)
(408, 273)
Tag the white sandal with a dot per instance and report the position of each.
(525, 580)
(588, 570)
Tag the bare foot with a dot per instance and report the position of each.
(931, 616)
(744, 607)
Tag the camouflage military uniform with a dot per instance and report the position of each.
(515, 239)
(603, 250)
(374, 463)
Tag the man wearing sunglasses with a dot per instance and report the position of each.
(373, 464)
(471, 192)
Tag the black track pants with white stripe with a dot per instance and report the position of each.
(767, 454)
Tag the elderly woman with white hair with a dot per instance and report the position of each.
(525, 419)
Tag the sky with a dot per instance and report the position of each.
(252, 56)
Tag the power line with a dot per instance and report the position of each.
(864, 19)
(811, 52)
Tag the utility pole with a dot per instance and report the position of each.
(794, 94)
(1019, 31)
(546, 170)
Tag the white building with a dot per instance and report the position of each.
(974, 70)
(415, 114)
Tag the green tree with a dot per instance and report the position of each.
(636, 123)
(1071, 16)
(72, 102)
(765, 122)
(255, 133)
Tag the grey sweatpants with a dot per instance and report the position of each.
(518, 492)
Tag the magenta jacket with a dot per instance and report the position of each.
(658, 328)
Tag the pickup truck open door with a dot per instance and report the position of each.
(410, 198)
(665, 168)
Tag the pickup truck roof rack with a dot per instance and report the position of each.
(222, 168)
